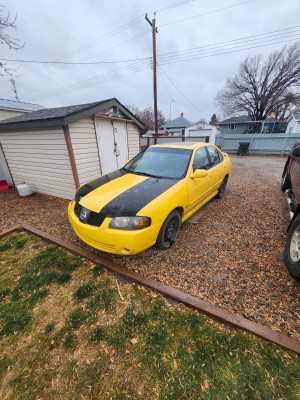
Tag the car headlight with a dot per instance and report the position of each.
(129, 223)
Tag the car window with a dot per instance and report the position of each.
(201, 160)
(215, 156)
(161, 162)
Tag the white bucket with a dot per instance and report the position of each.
(24, 189)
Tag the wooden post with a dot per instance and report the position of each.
(71, 156)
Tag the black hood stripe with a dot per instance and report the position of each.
(130, 202)
(89, 187)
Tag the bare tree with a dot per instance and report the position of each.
(264, 87)
(147, 116)
(7, 23)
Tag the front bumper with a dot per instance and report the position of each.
(113, 240)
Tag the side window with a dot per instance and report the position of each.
(200, 160)
(215, 156)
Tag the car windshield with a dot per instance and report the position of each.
(161, 162)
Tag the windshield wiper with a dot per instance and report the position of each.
(144, 173)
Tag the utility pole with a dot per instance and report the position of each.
(154, 31)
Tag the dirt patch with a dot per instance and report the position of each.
(229, 253)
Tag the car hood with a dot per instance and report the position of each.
(121, 193)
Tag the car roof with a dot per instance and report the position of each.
(182, 145)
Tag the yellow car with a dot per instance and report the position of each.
(144, 203)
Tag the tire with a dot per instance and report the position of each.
(292, 249)
(285, 183)
(222, 188)
(169, 231)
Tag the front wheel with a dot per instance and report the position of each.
(169, 231)
(222, 188)
(292, 249)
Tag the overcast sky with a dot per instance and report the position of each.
(88, 31)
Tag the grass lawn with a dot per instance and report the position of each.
(69, 330)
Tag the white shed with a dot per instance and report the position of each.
(57, 150)
(202, 129)
(293, 123)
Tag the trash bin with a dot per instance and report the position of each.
(24, 189)
(243, 149)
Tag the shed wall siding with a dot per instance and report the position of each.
(84, 143)
(40, 158)
(133, 140)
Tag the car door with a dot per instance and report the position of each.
(217, 169)
(295, 174)
(199, 188)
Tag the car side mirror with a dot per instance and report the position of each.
(126, 162)
(199, 173)
(296, 151)
(225, 154)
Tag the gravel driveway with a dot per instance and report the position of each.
(229, 253)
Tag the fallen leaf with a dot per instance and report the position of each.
(133, 340)
(205, 385)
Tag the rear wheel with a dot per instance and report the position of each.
(292, 249)
(222, 188)
(285, 183)
(169, 231)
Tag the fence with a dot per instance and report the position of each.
(279, 143)
(149, 141)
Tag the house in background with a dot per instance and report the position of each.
(237, 125)
(171, 128)
(244, 125)
(203, 129)
(175, 127)
(183, 127)
(293, 123)
(12, 108)
(56, 150)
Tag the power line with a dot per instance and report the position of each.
(119, 29)
(174, 5)
(135, 21)
(163, 79)
(144, 64)
(229, 50)
(68, 65)
(102, 38)
(185, 52)
(206, 13)
(172, 83)
(172, 100)
(118, 45)
(93, 81)
(245, 38)
(78, 63)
